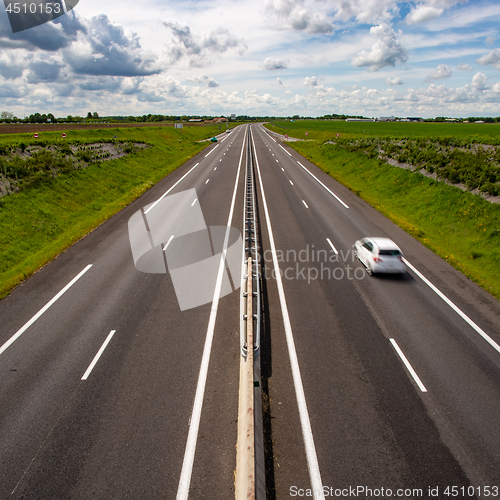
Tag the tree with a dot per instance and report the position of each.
(89, 115)
(95, 115)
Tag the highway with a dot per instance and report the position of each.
(375, 382)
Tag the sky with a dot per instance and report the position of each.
(257, 57)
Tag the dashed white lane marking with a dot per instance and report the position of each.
(408, 366)
(305, 204)
(98, 355)
(454, 307)
(168, 191)
(210, 152)
(172, 237)
(42, 310)
(329, 190)
(331, 244)
(284, 150)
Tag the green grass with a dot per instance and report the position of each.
(486, 133)
(39, 223)
(462, 228)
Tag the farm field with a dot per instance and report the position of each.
(461, 227)
(488, 133)
(67, 187)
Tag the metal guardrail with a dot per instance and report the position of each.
(251, 251)
(250, 465)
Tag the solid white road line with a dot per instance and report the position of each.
(312, 459)
(408, 366)
(42, 310)
(329, 190)
(98, 355)
(331, 244)
(454, 307)
(187, 464)
(165, 194)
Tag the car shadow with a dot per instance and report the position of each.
(403, 277)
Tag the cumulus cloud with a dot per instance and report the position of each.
(479, 82)
(492, 58)
(199, 50)
(367, 11)
(43, 71)
(387, 51)
(442, 72)
(394, 81)
(422, 13)
(10, 66)
(107, 50)
(464, 67)
(272, 63)
(296, 15)
(204, 79)
(311, 81)
(50, 37)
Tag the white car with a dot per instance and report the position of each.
(380, 255)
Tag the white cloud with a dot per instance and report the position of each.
(479, 81)
(394, 81)
(105, 49)
(296, 15)
(423, 13)
(311, 81)
(490, 40)
(367, 11)
(464, 67)
(204, 79)
(492, 58)
(272, 63)
(197, 50)
(387, 51)
(443, 71)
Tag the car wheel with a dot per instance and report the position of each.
(369, 271)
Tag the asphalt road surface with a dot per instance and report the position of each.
(374, 387)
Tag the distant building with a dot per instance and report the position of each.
(414, 119)
(221, 119)
(387, 119)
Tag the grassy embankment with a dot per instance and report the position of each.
(38, 223)
(462, 228)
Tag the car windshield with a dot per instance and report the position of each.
(394, 253)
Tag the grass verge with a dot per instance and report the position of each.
(460, 227)
(39, 223)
